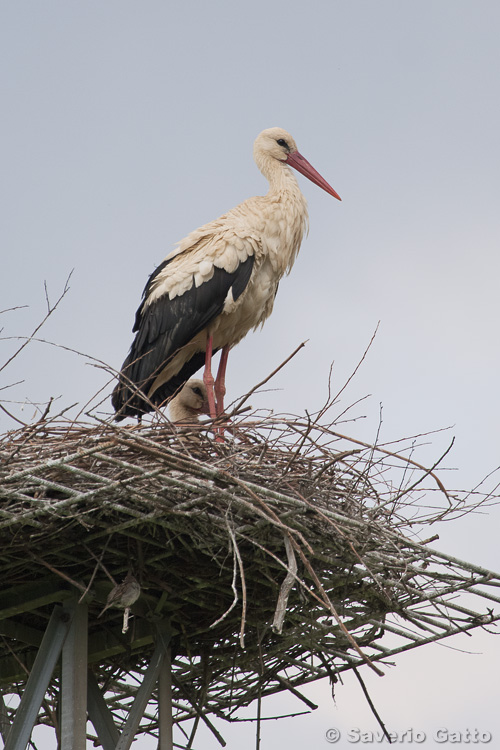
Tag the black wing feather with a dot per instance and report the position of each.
(147, 289)
(164, 327)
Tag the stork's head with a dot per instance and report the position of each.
(275, 144)
(190, 402)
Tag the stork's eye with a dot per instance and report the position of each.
(197, 391)
(282, 142)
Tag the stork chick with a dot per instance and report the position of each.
(189, 403)
(218, 284)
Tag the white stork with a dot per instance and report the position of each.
(189, 403)
(218, 284)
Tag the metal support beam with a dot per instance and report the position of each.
(103, 645)
(4, 720)
(30, 596)
(165, 736)
(38, 682)
(100, 715)
(74, 680)
(143, 695)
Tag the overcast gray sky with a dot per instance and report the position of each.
(125, 125)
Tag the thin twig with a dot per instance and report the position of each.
(50, 310)
(267, 379)
(372, 707)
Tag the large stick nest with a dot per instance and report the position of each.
(287, 553)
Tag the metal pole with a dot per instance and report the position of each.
(165, 737)
(74, 681)
(142, 697)
(38, 682)
(4, 721)
(100, 715)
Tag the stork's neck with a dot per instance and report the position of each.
(280, 177)
(284, 210)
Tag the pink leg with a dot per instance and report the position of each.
(208, 378)
(220, 382)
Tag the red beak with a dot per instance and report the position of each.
(300, 163)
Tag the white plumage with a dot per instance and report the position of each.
(218, 284)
